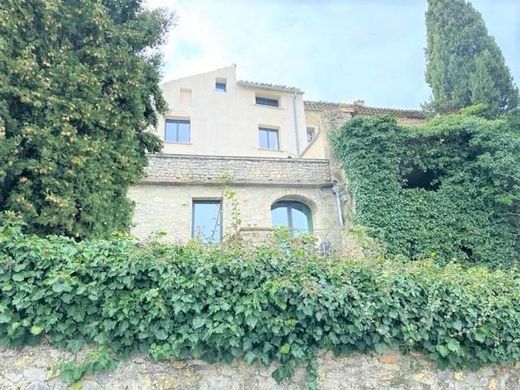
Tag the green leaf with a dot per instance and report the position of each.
(5, 318)
(453, 345)
(380, 347)
(198, 322)
(457, 324)
(480, 336)
(36, 329)
(443, 350)
(18, 277)
(60, 286)
(251, 321)
(250, 357)
(285, 349)
(282, 372)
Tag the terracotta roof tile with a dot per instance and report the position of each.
(358, 109)
(272, 87)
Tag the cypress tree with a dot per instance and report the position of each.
(464, 65)
(79, 85)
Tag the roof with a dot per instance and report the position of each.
(359, 109)
(271, 87)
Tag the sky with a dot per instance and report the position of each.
(333, 50)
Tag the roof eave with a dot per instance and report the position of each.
(252, 85)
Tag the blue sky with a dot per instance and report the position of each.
(337, 50)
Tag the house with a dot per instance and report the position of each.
(242, 157)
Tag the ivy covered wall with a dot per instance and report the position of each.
(448, 190)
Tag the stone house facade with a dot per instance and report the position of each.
(242, 157)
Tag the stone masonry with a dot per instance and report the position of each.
(32, 368)
(167, 168)
(163, 200)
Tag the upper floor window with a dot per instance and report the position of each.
(207, 221)
(268, 138)
(294, 215)
(220, 85)
(177, 130)
(267, 101)
(311, 133)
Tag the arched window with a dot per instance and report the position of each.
(295, 215)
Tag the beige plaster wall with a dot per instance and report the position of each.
(226, 123)
(315, 149)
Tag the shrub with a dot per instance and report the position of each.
(266, 305)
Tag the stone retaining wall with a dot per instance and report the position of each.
(31, 368)
(168, 168)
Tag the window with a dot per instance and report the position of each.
(220, 85)
(207, 221)
(311, 133)
(295, 215)
(268, 138)
(177, 130)
(266, 101)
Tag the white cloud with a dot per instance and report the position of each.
(194, 32)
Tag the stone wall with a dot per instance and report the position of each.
(31, 368)
(167, 168)
(168, 208)
(163, 201)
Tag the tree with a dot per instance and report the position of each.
(79, 84)
(464, 65)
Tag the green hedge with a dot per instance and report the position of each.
(267, 304)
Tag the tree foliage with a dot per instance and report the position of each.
(79, 84)
(450, 190)
(274, 303)
(464, 65)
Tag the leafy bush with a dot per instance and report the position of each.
(267, 304)
(449, 190)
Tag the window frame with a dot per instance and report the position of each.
(219, 220)
(268, 130)
(310, 130)
(177, 121)
(263, 101)
(220, 82)
(289, 205)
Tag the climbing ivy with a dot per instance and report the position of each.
(449, 190)
(274, 304)
(95, 361)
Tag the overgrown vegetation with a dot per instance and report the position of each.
(79, 85)
(449, 190)
(95, 361)
(272, 304)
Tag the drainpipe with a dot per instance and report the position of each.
(296, 125)
(337, 191)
